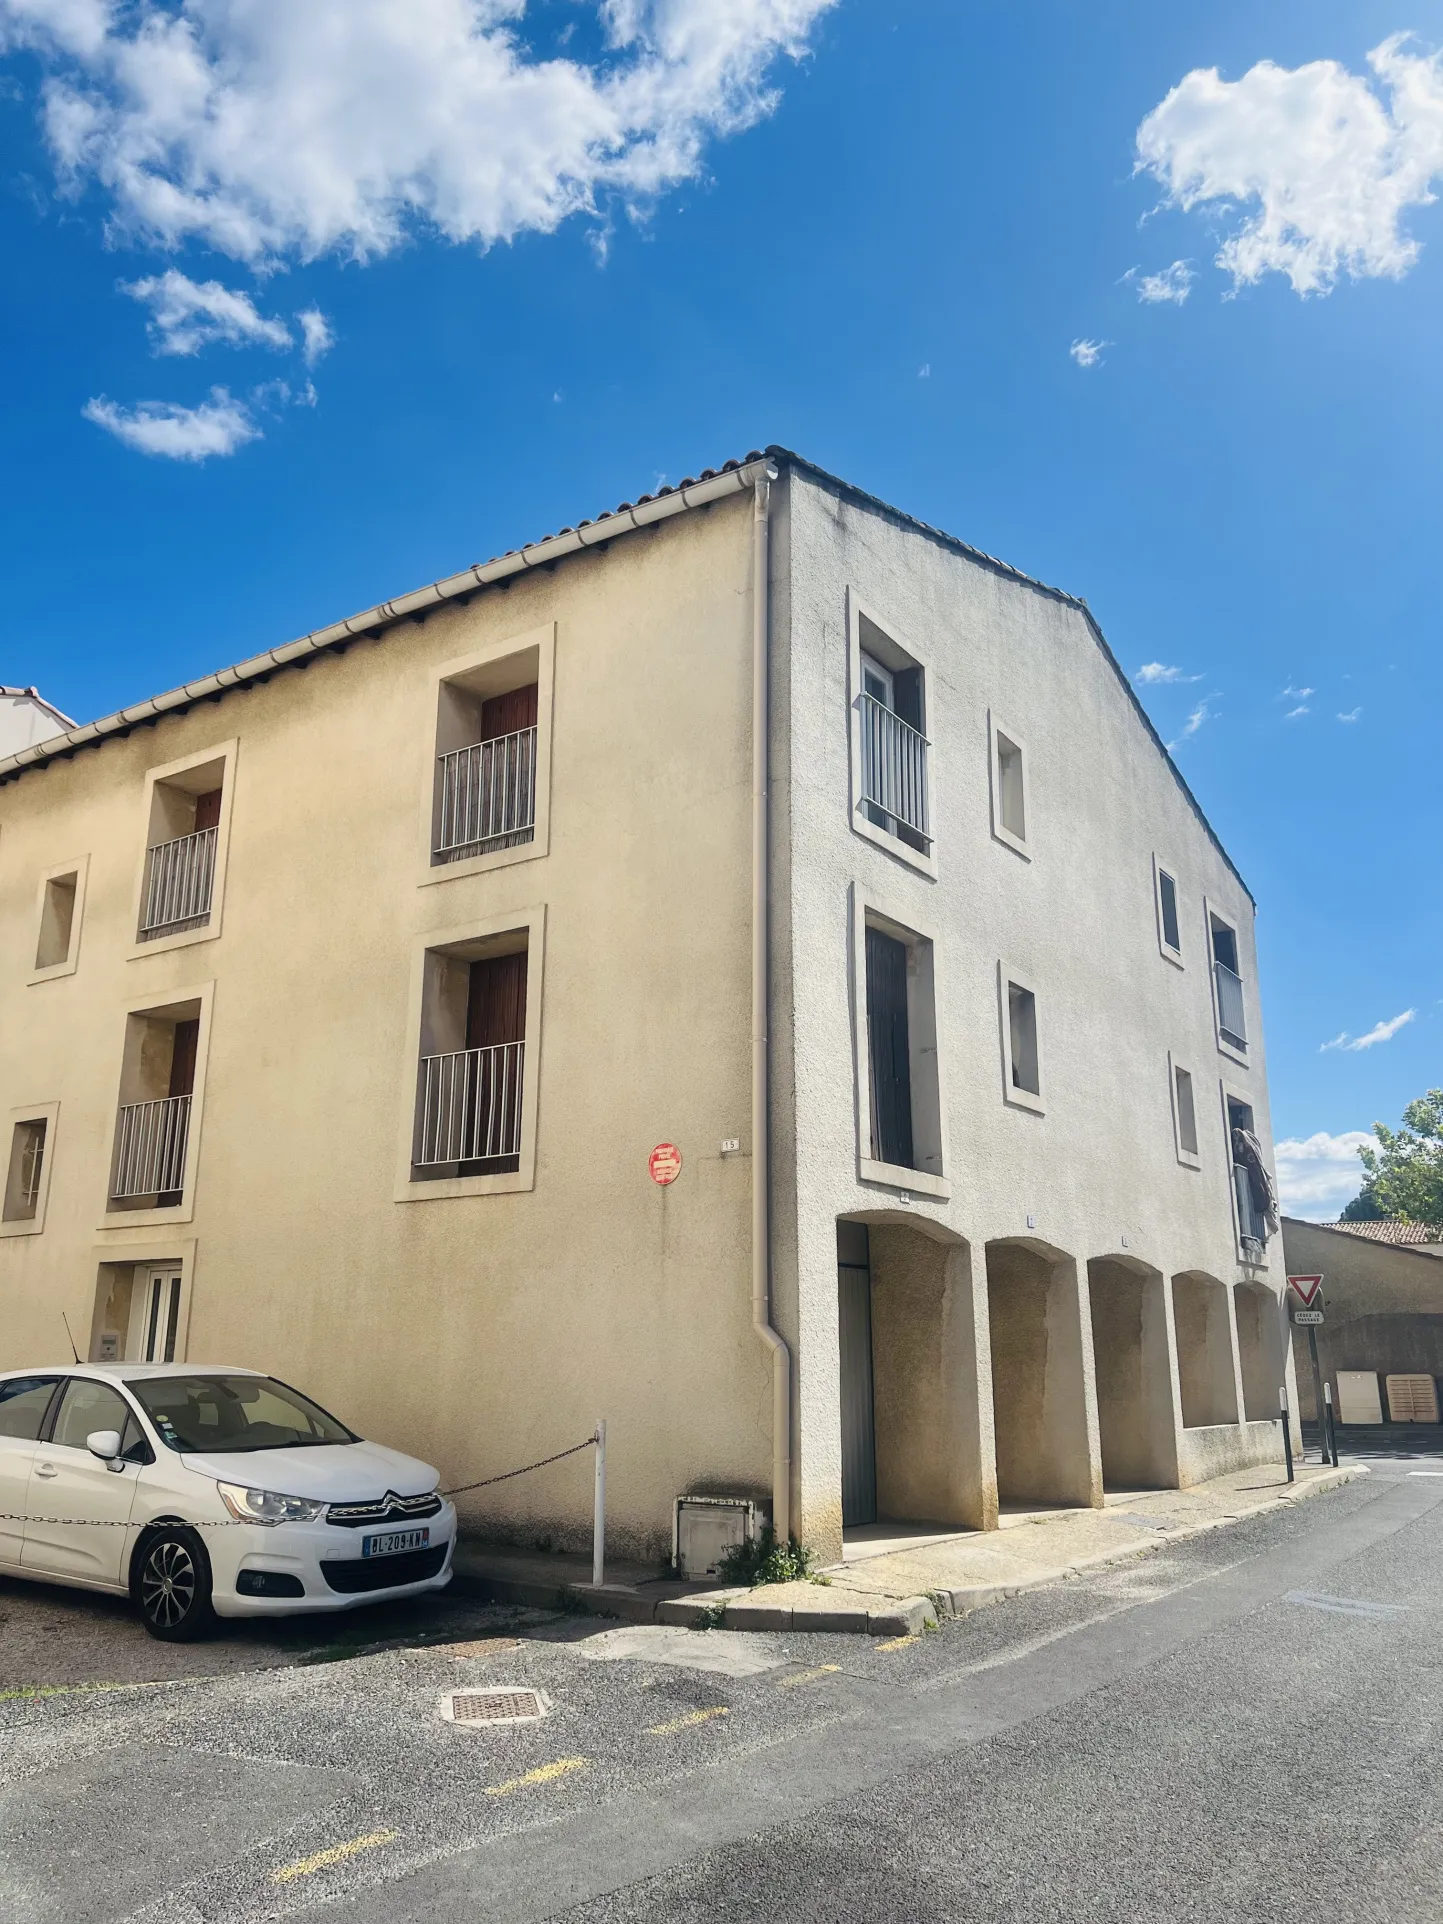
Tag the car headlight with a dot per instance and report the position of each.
(267, 1506)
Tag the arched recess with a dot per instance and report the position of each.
(1206, 1377)
(1260, 1350)
(1132, 1362)
(913, 1354)
(1045, 1441)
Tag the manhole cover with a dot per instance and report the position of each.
(495, 1706)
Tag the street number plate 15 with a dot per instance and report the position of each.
(393, 1542)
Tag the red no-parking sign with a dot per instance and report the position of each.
(664, 1163)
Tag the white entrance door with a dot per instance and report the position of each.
(155, 1315)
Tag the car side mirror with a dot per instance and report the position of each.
(106, 1445)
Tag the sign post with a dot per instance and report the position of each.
(1308, 1291)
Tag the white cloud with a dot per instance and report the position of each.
(218, 426)
(1168, 284)
(1296, 694)
(1380, 1032)
(1351, 716)
(1301, 709)
(186, 316)
(1088, 353)
(1201, 714)
(269, 132)
(1320, 1173)
(1158, 671)
(924, 373)
(317, 334)
(1311, 168)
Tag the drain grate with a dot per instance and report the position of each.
(495, 1706)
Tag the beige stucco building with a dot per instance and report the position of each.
(345, 996)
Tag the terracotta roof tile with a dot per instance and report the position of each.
(1391, 1231)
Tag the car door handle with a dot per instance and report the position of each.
(46, 1469)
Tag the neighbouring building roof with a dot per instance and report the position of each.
(1402, 1235)
(711, 484)
(34, 694)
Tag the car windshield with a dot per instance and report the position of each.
(234, 1413)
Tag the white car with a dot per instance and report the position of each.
(199, 1490)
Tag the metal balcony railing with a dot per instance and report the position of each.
(32, 1165)
(894, 767)
(1251, 1227)
(1231, 1017)
(488, 795)
(150, 1145)
(179, 876)
(468, 1105)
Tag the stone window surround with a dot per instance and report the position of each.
(1165, 950)
(893, 844)
(406, 1189)
(79, 867)
(1008, 977)
(49, 1114)
(1019, 844)
(225, 753)
(1190, 1159)
(542, 641)
(160, 1004)
(895, 919)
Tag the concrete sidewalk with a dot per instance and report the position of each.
(895, 1579)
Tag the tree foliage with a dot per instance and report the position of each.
(1404, 1174)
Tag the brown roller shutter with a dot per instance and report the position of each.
(182, 1059)
(505, 714)
(207, 810)
(496, 1004)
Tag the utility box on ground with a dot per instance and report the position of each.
(1412, 1399)
(706, 1527)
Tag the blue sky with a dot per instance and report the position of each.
(631, 240)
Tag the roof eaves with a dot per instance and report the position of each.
(713, 484)
(1008, 572)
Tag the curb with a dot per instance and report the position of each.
(899, 1617)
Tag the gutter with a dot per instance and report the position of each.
(734, 479)
(764, 474)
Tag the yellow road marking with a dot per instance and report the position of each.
(808, 1676)
(545, 1775)
(898, 1643)
(337, 1854)
(686, 1723)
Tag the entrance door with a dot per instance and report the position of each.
(854, 1330)
(155, 1317)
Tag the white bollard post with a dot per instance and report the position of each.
(598, 1520)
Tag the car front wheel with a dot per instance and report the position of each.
(171, 1584)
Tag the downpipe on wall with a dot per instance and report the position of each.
(761, 1063)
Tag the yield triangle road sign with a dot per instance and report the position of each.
(1306, 1288)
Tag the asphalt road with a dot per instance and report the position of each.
(1243, 1726)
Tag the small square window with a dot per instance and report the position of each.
(26, 1170)
(57, 921)
(1010, 805)
(1021, 1052)
(1184, 1115)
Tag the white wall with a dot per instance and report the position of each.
(1098, 1172)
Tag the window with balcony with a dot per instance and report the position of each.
(187, 818)
(1228, 984)
(471, 1071)
(150, 1159)
(1021, 1047)
(890, 750)
(1010, 804)
(903, 1128)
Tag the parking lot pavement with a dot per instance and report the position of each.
(54, 1637)
(272, 1787)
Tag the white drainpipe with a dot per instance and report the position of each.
(761, 1077)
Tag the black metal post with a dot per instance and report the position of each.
(1318, 1393)
(1287, 1435)
(1332, 1423)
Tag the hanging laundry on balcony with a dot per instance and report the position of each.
(1248, 1155)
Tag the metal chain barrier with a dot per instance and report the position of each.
(230, 1523)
